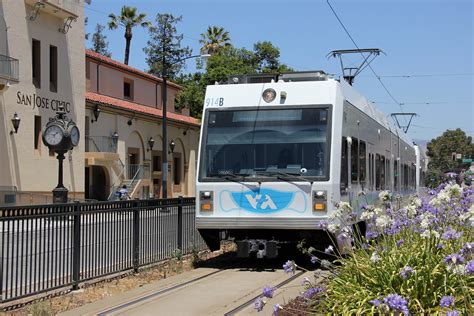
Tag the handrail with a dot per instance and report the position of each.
(102, 143)
(119, 180)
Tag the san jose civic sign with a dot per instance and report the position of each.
(36, 101)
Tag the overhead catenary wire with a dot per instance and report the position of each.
(370, 66)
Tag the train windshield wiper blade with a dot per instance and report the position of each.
(229, 176)
(286, 176)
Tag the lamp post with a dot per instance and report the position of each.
(164, 66)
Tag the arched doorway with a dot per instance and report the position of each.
(98, 184)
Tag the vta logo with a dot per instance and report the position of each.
(264, 202)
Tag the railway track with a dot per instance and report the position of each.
(252, 300)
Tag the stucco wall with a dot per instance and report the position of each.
(110, 82)
(137, 135)
(23, 166)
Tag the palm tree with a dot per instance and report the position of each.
(128, 18)
(214, 38)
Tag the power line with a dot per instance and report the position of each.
(426, 75)
(426, 102)
(372, 69)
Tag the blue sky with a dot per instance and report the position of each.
(420, 37)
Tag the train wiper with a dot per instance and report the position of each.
(286, 176)
(229, 176)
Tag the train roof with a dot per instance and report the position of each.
(347, 91)
(355, 98)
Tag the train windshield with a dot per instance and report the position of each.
(265, 142)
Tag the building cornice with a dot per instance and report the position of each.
(147, 111)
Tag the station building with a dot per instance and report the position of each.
(41, 68)
(118, 109)
(123, 145)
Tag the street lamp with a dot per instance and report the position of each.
(164, 66)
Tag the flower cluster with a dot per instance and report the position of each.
(401, 246)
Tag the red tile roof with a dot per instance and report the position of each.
(126, 105)
(112, 62)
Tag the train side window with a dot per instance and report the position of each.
(382, 172)
(378, 172)
(369, 180)
(362, 161)
(354, 160)
(395, 176)
(388, 170)
(344, 165)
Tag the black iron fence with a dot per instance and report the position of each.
(47, 247)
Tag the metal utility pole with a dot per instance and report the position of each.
(164, 169)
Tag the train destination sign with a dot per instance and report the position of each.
(36, 101)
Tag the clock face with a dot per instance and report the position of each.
(53, 135)
(75, 136)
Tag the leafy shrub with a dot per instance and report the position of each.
(417, 259)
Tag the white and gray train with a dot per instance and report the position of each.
(277, 151)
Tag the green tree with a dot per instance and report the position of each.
(267, 58)
(165, 43)
(99, 41)
(440, 151)
(128, 18)
(214, 39)
(225, 62)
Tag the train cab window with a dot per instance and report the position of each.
(344, 165)
(354, 160)
(382, 172)
(378, 172)
(362, 161)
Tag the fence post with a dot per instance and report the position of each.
(76, 250)
(180, 223)
(136, 236)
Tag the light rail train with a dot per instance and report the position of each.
(278, 151)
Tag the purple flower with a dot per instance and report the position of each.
(470, 267)
(369, 235)
(400, 242)
(451, 234)
(289, 267)
(405, 270)
(276, 309)
(309, 293)
(454, 259)
(440, 246)
(468, 249)
(323, 224)
(446, 301)
(397, 303)
(314, 259)
(259, 303)
(268, 291)
(452, 313)
(375, 302)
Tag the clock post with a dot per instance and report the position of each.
(60, 135)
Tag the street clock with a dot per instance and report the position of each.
(60, 135)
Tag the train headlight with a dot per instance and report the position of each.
(206, 201)
(269, 95)
(319, 201)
